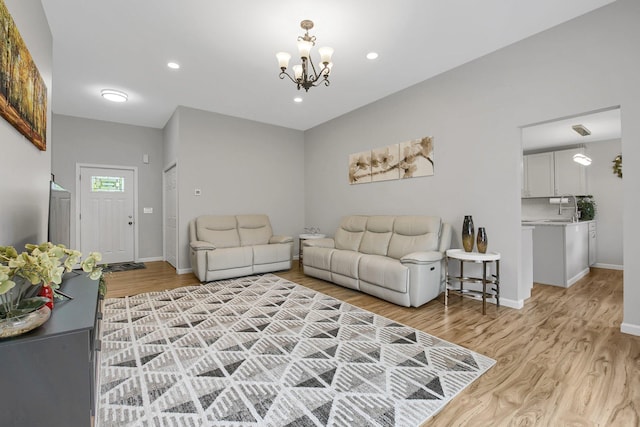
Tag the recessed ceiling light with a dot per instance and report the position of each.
(173, 65)
(372, 55)
(298, 99)
(114, 95)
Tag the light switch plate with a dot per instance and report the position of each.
(148, 210)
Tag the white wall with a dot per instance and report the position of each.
(25, 170)
(79, 140)
(606, 189)
(241, 167)
(474, 113)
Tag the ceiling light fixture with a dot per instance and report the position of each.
(579, 157)
(305, 74)
(173, 65)
(297, 99)
(582, 159)
(372, 55)
(114, 95)
(581, 129)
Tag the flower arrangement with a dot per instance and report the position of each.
(42, 264)
(587, 208)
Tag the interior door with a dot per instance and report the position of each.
(106, 213)
(171, 215)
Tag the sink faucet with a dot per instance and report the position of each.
(575, 217)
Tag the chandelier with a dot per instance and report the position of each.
(305, 75)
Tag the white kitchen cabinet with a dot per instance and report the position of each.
(570, 177)
(553, 173)
(538, 175)
(560, 253)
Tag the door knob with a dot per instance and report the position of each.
(130, 222)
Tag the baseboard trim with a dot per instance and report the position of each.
(577, 277)
(184, 270)
(151, 259)
(609, 266)
(511, 303)
(628, 328)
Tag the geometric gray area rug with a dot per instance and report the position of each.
(264, 351)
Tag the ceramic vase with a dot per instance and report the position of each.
(468, 233)
(482, 241)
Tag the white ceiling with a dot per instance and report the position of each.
(227, 51)
(604, 126)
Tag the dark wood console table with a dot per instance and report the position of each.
(47, 375)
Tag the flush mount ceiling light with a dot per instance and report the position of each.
(305, 75)
(579, 157)
(581, 129)
(582, 159)
(114, 95)
(372, 55)
(173, 65)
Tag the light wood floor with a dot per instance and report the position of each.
(561, 360)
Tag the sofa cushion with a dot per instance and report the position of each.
(220, 230)
(414, 234)
(268, 254)
(385, 272)
(254, 229)
(345, 263)
(349, 234)
(223, 259)
(318, 257)
(375, 240)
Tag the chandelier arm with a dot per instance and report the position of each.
(284, 73)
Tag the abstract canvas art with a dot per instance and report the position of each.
(23, 94)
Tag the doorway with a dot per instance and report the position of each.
(171, 215)
(107, 220)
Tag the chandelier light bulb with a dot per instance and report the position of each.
(325, 54)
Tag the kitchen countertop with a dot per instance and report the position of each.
(552, 222)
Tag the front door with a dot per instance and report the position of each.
(106, 213)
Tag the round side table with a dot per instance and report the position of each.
(303, 237)
(491, 279)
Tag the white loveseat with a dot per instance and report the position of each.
(396, 258)
(225, 246)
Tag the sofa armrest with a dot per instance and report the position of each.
(422, 257)
(325, 242)
(281, 239)
(199, 245)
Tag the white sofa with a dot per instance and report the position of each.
(396, 258)
(225, 246)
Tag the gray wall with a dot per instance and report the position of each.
(25, 170)
(241, 166)
(474, 113)
(79, 140)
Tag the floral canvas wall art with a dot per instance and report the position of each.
(408, 159)
(416, 158)
(23, 94)
(360, 167)
(384, 163)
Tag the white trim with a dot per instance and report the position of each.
(511, 303)
(628, 328)
(577, 277)
(184, 270)
(608, 266)
(164, 216)
(79, 166)
(151, 259)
